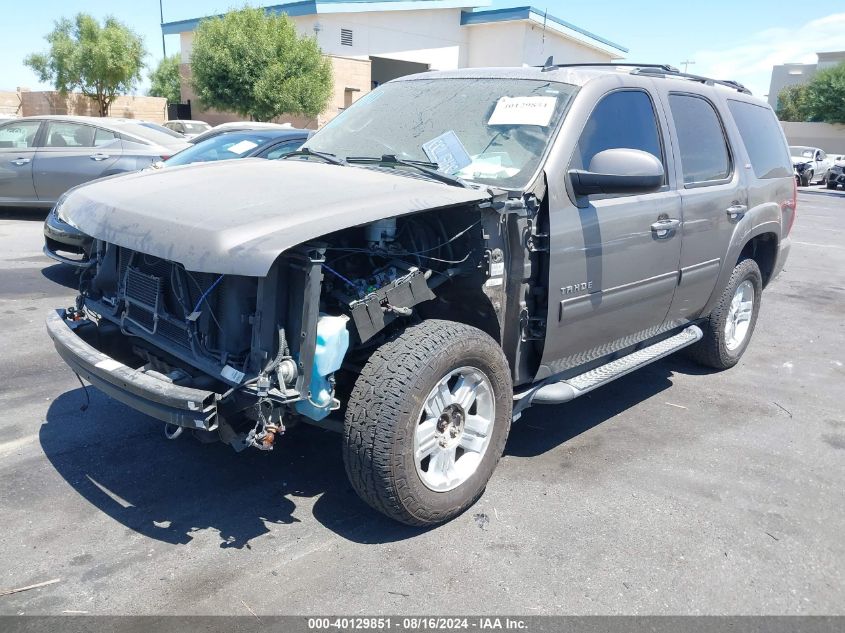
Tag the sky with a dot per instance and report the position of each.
(727, 39)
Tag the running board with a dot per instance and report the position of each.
(571, 388)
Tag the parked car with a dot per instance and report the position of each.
(67, 244)
(187, 128)
(236, 126)
(453, 248)
(810, 163)
(42, 157)
(836, 176)
(262, 143)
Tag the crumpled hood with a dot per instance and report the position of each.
(236, 217)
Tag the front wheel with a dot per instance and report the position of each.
(728, 329)
(427, 422)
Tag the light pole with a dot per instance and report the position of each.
(686, 64)
(161, 15)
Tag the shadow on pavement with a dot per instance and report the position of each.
(121, 463)
(62, 274)
(18, 213)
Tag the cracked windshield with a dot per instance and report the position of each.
(491, 131)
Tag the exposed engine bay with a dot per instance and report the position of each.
(285, 347)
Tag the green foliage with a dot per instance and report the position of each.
(257, 65)
(101, 61)
(791, 103)
(164, 80)
(823, 99)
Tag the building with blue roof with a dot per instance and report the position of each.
(373, 41)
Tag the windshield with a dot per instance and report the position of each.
(492, 131)
(192, 127)
(796, 150)
(222, 147)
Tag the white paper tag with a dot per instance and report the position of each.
(243, 146)
(497, 269)
(231, 374)
(523, 111)
(108, 364)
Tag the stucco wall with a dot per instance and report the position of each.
(34, 103)
(519, 42)
(352, 74)
(829, 137)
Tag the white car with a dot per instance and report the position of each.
(816, 163)
(188, 129)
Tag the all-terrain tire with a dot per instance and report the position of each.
(384, 409)
(712, 350)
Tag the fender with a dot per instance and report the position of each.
(764, 218)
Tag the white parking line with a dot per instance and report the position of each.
(13, 445)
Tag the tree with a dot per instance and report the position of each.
(825, 97)
(164, 80)
(257, 65)
(791, 103)
(99, 61)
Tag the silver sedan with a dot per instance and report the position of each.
(42, 157)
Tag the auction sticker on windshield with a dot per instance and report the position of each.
(243, 146)
(448, 152)
(523, 111)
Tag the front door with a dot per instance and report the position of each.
(71, 154)
(613, 261)
(17, 150)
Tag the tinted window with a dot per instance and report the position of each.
(283, 149)
(222, 147)
(763, 139)
(18, 134)
(104, 137)
(622, 119)
(704, 154)
(64, 134)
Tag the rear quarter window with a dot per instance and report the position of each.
(763, 139)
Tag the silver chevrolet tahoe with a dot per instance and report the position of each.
(452, 249)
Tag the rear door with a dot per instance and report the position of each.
(72, 153)
(713, 196)
(17, 151)
(613, 269)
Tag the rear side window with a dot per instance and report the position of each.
(623, 119)
(701, 139)
(762, 136)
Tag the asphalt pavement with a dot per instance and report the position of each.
(671, 491)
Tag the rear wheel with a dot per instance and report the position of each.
(729, 327)
(427, 422)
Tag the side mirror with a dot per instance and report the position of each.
(619, 170)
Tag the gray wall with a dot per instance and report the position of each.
(829, 137)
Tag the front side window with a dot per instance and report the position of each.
(488, 130)
(18, 134)
(623, 119)
(701, 139)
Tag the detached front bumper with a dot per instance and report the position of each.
(175, 404)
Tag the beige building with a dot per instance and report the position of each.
(786, 75)
(371, 42)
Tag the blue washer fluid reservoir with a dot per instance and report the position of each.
(332, 344)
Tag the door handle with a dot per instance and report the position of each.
(736, 211)
(99, 156)
(21, 161)
(665, 228)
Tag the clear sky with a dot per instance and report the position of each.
(734, 39)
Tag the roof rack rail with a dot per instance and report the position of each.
(654, 70)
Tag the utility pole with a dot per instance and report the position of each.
(686, 64)
(161, 15)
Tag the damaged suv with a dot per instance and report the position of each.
(453, 248)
